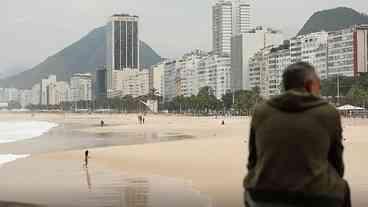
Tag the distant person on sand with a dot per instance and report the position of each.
(102, 123)
(86, 157)
(295, 148)
(140, 119)
(143, 119)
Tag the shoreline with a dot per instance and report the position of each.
(212, 164)
(71, 134)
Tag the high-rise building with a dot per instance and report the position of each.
(122, 47)
(101, 84)
(267, 67)
(25, 98)
(342, 52)
(311, 48)
(244, 47)
(170, 80)
(45, 83)
(156, 78)
(185, 76)
(36, 94)
(9, 94)
(229, 18)
(214, 72)
(122, 42)
(2, 95)
(58, 93)
(347, 51)
(81, 87)
(131, 82)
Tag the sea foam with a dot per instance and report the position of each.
(14, 131)
(10, 157)
(20, 130)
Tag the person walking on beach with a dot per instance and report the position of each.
(102, 123)
(295, 148)
(86, 157)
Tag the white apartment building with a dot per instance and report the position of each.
(347, 51)
(36, 94)
(132, 82)
(2, 95)
(342, 52)
(81, 87)
(156, 78)
(9, 94)
(135, 83)
(214, 71)
(256, 63)
(45, 83)
(170, 80)
(187, 75)
(311, 48)
(187, 80)
(244, 47)
(229, 18)
(25, 98)
(278, 60)
(59, 92)
(267, 67)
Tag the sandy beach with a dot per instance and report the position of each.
(170, 161)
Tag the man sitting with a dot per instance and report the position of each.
(295, 148)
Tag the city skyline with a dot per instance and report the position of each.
(168, 42)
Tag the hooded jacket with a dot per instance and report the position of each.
(296, 152)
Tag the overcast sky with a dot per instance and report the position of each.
(32, 30)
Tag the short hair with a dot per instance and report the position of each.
(296, 75)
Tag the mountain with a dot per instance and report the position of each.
(83, 56)
(333, 19)
(7, 72)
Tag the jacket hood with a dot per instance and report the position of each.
(296, 101)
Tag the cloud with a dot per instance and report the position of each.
(171, 27)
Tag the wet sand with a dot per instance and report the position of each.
(206, 170)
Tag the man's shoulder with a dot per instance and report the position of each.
(262, 108)
(328, 110)
(262, 111)
(265, 109)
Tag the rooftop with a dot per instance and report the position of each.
(124, 15)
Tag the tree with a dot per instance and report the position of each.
(357, 95)
(227, 100)
(14, 105)
(130, 104)
(116, 103)
(245, 101)
(329, 86)
(207, 100)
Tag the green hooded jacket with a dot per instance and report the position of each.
(296, 151)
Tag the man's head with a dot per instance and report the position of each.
(301, 75)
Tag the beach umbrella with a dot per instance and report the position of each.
(349, 107)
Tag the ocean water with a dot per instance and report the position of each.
(10, 157)
(14, 131)
(20, 130)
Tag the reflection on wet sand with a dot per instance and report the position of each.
(88, 178)
(70, 184)
(137, 192)
(147, 192)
